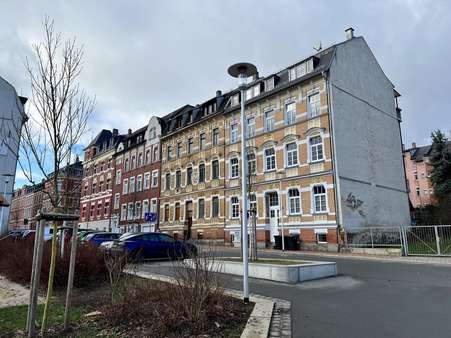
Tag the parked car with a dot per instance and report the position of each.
(98, 238)
(82, 233)
(151, 245)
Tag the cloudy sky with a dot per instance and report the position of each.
(151, 57)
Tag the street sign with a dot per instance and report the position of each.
(150, 217)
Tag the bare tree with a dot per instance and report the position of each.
(58, 117)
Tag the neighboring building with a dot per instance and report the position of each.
(25, 205)
(28, 200)
(418, 173)
(97, 185)
(324, 146)
(137, 179)
(12, 117)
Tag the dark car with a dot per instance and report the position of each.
(152, 245)
(98, 238)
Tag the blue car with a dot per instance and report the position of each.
(98, 238)
(151, 245)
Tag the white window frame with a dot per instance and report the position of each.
(118, 177)
(117, 200)
(323, 205)
(139, 183)
(234, 207)
(314, 107)
(217, 161)
(147, 181)
(294, 201)
(130, 211)
(154, 205)
(131, 187)
(137, 211)
(215, 197)
(125, 186)
(292, 155)
(250, 127)
(234, 132)
(316, 147)
(203, 208)
(272, 159)
(253, 161)
(145, 208)
(290, 115)
(154, 182)
(234, 168)
(269, 120)
(124, 211)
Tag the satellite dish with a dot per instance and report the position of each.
(318, 46)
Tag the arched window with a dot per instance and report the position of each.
(294, 201)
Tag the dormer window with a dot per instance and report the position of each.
(253, 91)
(301, 69)
(235, 100)
(152, 133)
(269, 84)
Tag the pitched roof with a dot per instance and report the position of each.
(418, 154)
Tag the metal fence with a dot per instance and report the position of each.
(424, 240)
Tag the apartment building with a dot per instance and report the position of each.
(136, 187)
(418, 173)
(97, 184)
(324, 154)
(25, 205)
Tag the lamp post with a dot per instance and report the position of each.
(242, 71)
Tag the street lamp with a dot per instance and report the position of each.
(242, 71)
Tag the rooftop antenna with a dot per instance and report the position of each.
(318, 46)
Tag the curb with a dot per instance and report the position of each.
(259, 324)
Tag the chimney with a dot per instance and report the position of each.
(349, 33)
(129, 131)
(218, 93)
(414, 145)
(115, 132)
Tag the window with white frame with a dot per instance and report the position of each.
(125, 186)
(179, 149)
(235, 207)
(314, 105)
(169, 152)
(178, 178)
(201, 208)
(201, 172)
(118, 177)
(316, 149)
(126, 165)
(131, 209)
(291, 153)
(269, 84)
(294, 201)
(269, 120)
(234, 133)
(250, 126)
(290, 112)
(146, 181)
(253, 91)
(214, 169)
(145, 208)
(131, 188)
(166, 213)
(321, 235)
(189, 145)
(202, 141)
(215, 136)
(234, 168)
(319, 198)
(138, 211)
(139, 183)
(168, 181)
(124, 212)
(252, 204)
(251, 163)
(155, 178)
(215, 206)
(155, 153)
(235, 100)
(270, 159)
(116, 200)
(189, 176)
(153, 205)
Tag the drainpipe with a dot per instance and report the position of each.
(336, 177)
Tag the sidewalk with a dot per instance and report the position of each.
(446, 261)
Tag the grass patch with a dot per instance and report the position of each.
(267, 261)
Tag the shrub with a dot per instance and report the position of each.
(16, 258)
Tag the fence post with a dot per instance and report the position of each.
(371, 236)
(437, 240)
(406, 242)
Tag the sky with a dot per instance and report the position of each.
(145, 58)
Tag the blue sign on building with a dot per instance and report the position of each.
(150, 217)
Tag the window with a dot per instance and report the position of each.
(166, 212)
(138, 211)
(201, 172)
(189, 176)
(235, 207)
(140, 159)
(131, 209)
(215, 206)
(155, 153)
(178, 178)
(116, 200)
(148, 159)
(153, 205)
(118, 177)
(321, 235)
(290, 113)
(270, 159)
(235, 100)
(234, 168)
(189, 147)
(106, 209)
(131, 189)
(215, 136)
(168, 181)
(125, 186)
(139, 183)
(201, 208)
(269, 84)
(169, 152)
(146, 181)
(251, 163)
(179, 148)
(313, 105)
(253, 91)
(291, 151)
(202, 139)
(269, 120)
(177, 211)
(132, 163)
(214, 169)
(252, 204)
(319, 198)
(234, 133)
(418, 191)
(126, 165)
(294, 201)
(316, 149)
(301, 69)
(155, 178)
(250, 126)
(145, 208)
(124, 212)
(152, 133)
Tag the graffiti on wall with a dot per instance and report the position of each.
(354, 203)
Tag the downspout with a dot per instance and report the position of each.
(336, 177)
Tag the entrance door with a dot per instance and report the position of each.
(272, 199)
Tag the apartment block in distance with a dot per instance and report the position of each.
(97, 184)
(136, 188)
(324, 154)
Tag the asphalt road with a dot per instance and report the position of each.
(367, 299)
